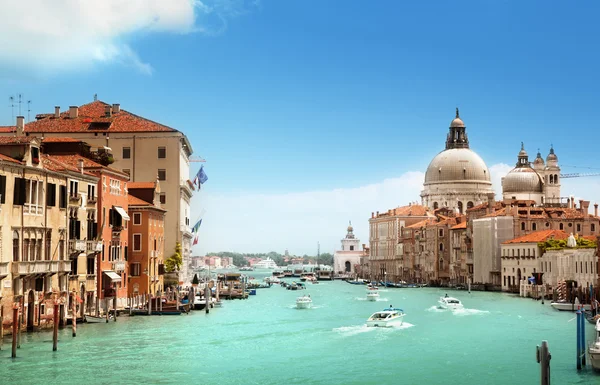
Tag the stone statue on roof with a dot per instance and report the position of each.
(571, 242)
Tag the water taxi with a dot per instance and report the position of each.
(372, 294)
(304, 302)
(449, 303)
(386, 318)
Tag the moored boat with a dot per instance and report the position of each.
(594, 349)
(386, 318)
(569, 306)
(304, 302)
(91, 319)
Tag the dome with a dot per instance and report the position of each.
(522, 179)
(538, 159)
(457, 165)
(457, 122)
(551, 156)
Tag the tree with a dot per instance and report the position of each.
(325, 259)
(174, 262)
(195, 281)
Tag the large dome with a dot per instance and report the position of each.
(522, 179)
(457, 165)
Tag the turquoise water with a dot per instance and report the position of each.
(265, 340)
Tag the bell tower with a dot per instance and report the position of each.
(552, 179)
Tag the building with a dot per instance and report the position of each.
(141, 148)
(146, 237)
(488, 235)
(521, 257)
(384, 231)
(576, 264)
(457, 178)
(347, 260)
(42, 211)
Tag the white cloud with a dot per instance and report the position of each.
(297, 221)
(65, 34)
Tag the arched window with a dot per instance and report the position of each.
(15, 246)
(551, 179)
(561, 226)
(348, 266)
(534, 226)
(555, 178)
(441, 247)
(469, 205)
(48, 248)
(435, 205)
(523, 226)
(460, 207)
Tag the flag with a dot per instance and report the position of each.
(196, 226)
(200, 176)
(195, 241)
(532, 280)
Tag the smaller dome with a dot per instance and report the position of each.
(522, 179)
(457, 122)
(538, 159)
(350, 228)
(551, 156)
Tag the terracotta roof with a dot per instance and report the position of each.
(406, 211)
(72, 162)
(91, 118)
(418, 225)
(132, 185)
(8, 128)
(539, 236)
(9, 159)
(56, 139)
(460, 226)
(497, 213)
(135, 201)
(16, 139)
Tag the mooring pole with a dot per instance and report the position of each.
(1, 324)
(207, 298)
(15, 320)
(543, 357)
(578, 339)
(115, 305)
(55, 319)
(74, 310)
(582, 343)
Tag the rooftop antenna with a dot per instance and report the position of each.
(11, 100)
(28, 109)
(20, 102)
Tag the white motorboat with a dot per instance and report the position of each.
(386, 318)
(450, 303)
(594, 349)
(568, 306)
(304, 302)
(272, 279)
(91, 319)
(265, 264)
(372, 295)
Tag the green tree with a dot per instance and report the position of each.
(325, 259)
(195, 281)
(174, 262)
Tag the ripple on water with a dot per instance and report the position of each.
(348, 331)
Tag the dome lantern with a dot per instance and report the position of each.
(457, 137)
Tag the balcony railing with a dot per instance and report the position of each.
(119, 266)
(93, 246)
(74, 198)
(92, 200)
(63, 266)
(39, 267)
(76, 245)
(3, 269)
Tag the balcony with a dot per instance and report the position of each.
(76, 245)
(39, 267)
(3, 269)
(63, 266)
(119, 266)
(93, 246)
(92, 200)
(74, 199)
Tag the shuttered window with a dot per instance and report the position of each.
(2, 189)
(19, 192)
(63, 197)
(51, 195)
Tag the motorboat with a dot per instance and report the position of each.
(569, 306)
(594, 349)
(386, 318)
(304, 302)
(372, 294)
(92, 319)
(272, 279)
(450, 303)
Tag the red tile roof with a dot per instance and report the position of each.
(460, 226)
(420, 224)
(539, 236)
(8, 128)
(71, 162)
(132, 185)
(406, 211)
(135, 201)
(9, 159)
(91, 118)
(56, 139)
(16, 139)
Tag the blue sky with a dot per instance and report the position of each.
(312, 101)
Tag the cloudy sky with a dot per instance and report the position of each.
(315, 113)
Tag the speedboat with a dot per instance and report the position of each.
(594, 349)
(568, 306)
(386, 318)
(304, 302)
(450, 303)
(372, 295)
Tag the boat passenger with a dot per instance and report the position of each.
(446, 295)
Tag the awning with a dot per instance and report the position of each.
(112, 275)
(121, 212)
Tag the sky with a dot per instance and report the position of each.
(311, 114)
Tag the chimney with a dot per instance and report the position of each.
(57, 112)
(568, 202)
(585, 206)
(377, 213)
(595, 209)
(372, 214)
(20, 125)
(81, 165)
(116, 108)
(108, 111)
(73, 112)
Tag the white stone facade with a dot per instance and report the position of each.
(580, 265)
(488, 235)
(346, 259)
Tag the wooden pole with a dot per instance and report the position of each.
(130, 300)
(1, 324)
(543, 357)
(55, 319)
(107, 310)
(160, 302)
(20, 321)
(115, 306)
(74, 320)
(149, 305)
(207, 298)
(15, 320)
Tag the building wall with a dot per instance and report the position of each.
(519, 261)
(580, 265)
(488, 234)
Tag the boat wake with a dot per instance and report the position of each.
(465, 312)
(436, 309)
(348, 331)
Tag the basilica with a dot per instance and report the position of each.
(455, 235)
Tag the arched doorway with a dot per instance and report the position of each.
(348, 266)
(30, 310)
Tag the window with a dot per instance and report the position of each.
(441, 247)
(15, 246)
(137, 219)
(534, 226)
(115, 251)
(51, 195)
(126, 152)
(19, 192)
(91, 266)
(29, 193)
(441, 232)
(137, 242)
(593, 226)
(351, 248)
(162, 174)
(115, 187)
(73, 189)
(163, 198)
(91, 192)
(469, 205)
(522, 225)
(62, 197)
(2, 189)
(162, 152)
(136, 269)
(561, 226)
(48, 250)
(578, 228)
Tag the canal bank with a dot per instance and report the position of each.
(265, 340)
